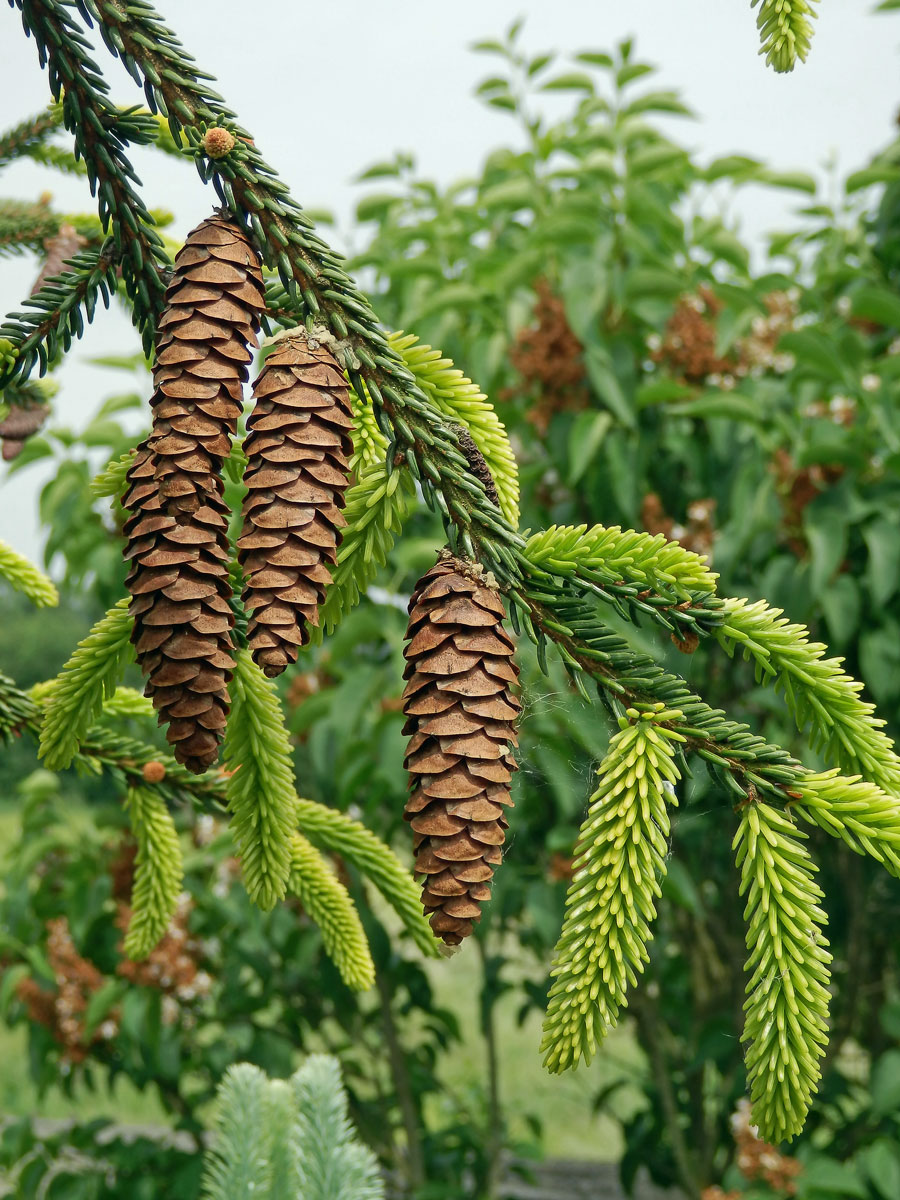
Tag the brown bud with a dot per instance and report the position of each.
(688, 644)
(218, 142)
(153, 772)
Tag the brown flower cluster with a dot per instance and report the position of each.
(688, 346)
(172, 967)
(758, 1160)
(797, 487)
(63, 1011)
(696, 534)
(548, 356)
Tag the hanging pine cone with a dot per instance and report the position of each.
(177, 529)
(297, 448)
(461, 715)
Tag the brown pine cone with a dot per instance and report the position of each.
(176, 533)
(297, 446)
(461, 715)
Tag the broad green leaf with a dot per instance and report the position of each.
(595, 58)
(869, 176)
(585, 438)
(883, 566)
(571, 81)
(606, 386)
(885, 1084)
(732, 166)
(877, 304)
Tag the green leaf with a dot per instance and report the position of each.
(879, 659)
(827, 1175)
(571, 81)
(664, 102)
(733, 166)
(606, 386)
(869, 176)
(885, 1084)
(797, 181)
(630, 72)
(661, 391)
(101, 1004)
(881, 1162)
(814, 349)
(877, 304)
(595, 58)
(883, 566)
(585, 437)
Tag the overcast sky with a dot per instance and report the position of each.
(327, 89)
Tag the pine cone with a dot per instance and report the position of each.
(176, 533)
(461, 715)
(297, 449)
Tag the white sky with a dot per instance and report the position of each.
(327, 89)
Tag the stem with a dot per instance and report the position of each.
(415, 1159)
(648, 1020)
(489, 1032)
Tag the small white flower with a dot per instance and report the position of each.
(654, 342)
(844, 305)
(870, 382)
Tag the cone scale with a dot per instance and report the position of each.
(461, 714)
(176, 539)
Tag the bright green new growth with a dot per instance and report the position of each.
(376, 507)
(90, 675)
(620, 861)
(786, 1023)
(369, 443)
(25, 577)
(237, 1162)
(818, 693)
(260, 790)
(462, 400)
(328, 904)
(332, 1165)
(856, 811)
(159, 872)
(340, 834)
(111, 480)
(785, 31)
(128, 703)
(277, 1140)
(611, 555)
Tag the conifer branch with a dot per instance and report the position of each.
(91, 674)
(129, 703)
(336, 832)
(620, 861)
(25, 226)
(23, 576)
(332, 1164)
(17, 710)
(462, 400)
(315, 279)
(281, 1116)
(159, 871)
(819, 694)
(375, 508)
(237, 1162)
(854, 810)
(62, 306)
(25, 136)
(101, 131)
(786, 1024)
(111, 480)
(785, 31)
(260, 788)
(328, 904)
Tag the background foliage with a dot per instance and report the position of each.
(655, 373)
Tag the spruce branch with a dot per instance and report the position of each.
(620, 861)
(92, 673)
(28, 134)
(23, 576)
(260, 788)
(281, 1115)
(336, 832)
(315, 279)
(237, 1164)
(819, 694)
(786, 1023)
(101, 131)
(17, 710)
(785, 31)
(375, 508)
(159, 871)
(462, 400)
(854, 810)
(736, 756)
(25, 226)
(332, 1164)
(61, 307)
(328, 904)
(111, 480)
(128, 703)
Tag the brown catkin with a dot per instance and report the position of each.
(461, 714)
(298, 445)
(176, 530)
